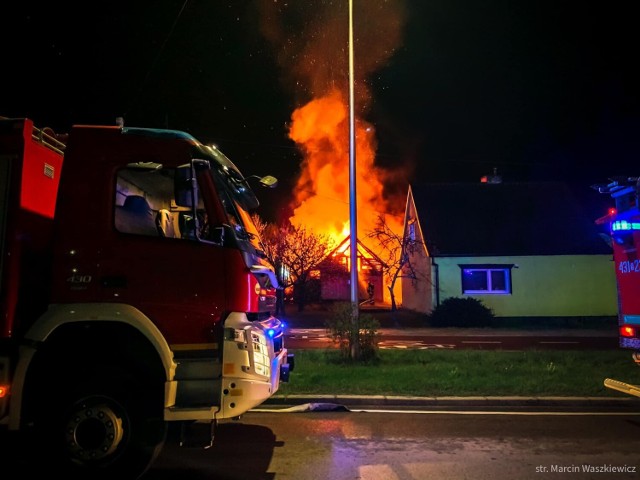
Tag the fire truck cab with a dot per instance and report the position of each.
(134, 293)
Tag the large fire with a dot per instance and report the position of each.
(311, 38)
(321, 130)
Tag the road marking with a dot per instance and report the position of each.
(455, 412)
(367, 472)
(478, 341)
(406, 344)
(481, 412)
(558, 342)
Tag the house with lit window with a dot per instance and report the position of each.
(523, 249)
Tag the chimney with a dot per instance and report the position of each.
(495, 178)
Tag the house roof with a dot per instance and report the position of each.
(343, 250)
(483, 219)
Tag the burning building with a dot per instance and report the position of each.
(334, 273)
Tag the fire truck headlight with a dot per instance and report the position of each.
(236, 335)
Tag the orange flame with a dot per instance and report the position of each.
(321, 129)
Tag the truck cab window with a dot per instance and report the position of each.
(145, 204)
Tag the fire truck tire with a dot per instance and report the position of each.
(102, 427)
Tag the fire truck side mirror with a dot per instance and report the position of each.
(266, 181)
(269, 181)
(183, 185)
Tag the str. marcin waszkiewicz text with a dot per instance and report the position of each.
(586, 468)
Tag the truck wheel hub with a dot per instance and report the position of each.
(93, 432)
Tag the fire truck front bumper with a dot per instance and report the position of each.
(255, 361)
(243, 392)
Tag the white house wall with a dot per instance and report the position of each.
(418, 293)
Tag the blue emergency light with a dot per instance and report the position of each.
(625, 226)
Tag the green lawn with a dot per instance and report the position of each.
(463, 373)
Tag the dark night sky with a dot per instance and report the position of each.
(540, 89)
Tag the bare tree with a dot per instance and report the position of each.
(273, 245)
(395, 252)
(271, 242)
(304, 250)
(294, 251)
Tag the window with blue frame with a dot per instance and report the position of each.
(493, 279)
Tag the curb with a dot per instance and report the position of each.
(476, 401)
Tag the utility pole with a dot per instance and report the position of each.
(353, 210)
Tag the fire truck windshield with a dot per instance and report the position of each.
(236, 194)
(235, 181)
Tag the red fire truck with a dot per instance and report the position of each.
(623, 222)
(133, 293)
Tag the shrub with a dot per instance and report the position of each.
(341, 329)
(461, 312)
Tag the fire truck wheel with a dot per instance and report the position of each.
(103, 427)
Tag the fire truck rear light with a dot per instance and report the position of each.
(627, 331)
(4, 390)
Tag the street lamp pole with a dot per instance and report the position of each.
(353, 211)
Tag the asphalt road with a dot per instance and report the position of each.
(414, 445)
(489, 339)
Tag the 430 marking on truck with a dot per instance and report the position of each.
(629, 266)
(79, 282)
